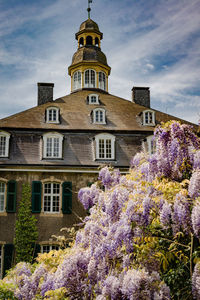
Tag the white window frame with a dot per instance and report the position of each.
(104, 137)
(52, 194)
(49, 111)
(150, 115)
(102, 84)
(97, 120)
(51, 247)
(151, 144)
(89, 85)
(53, 136)
(77, 84)
(6, 137)
(91, 100)
(2, 208)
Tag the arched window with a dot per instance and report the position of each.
(105, 146)
(102, 81)
(81, 42)
(149, 117)
(52, 145)
(93, 99)
(77, 80)
(89, 40)
(99, 116)
(4, 143)
(90, 79)
(96, 42)
(52, 115)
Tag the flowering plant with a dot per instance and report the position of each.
(141, 238)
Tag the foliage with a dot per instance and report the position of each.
(6, 291)
(25, 229)
(141, 238)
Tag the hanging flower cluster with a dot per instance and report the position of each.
(141, 238)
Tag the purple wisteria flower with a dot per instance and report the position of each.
(194, 185)
(196, 219)
(109, 177)
(196, 282)
(88, 196)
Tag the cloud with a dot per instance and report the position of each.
(152, 43)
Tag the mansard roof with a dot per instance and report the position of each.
(75, 114)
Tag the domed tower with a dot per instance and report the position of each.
(89, 68)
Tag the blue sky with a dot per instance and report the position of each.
(153, 43)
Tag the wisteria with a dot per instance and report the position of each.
(140, 239)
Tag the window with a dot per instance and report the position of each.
(102, 81)
(149, 118)
(4, 143)
(52, 145)
(52, 114)
(93, 99)
(151, 144)
(48, 248)
(51, 197)
(90, 79)
(77, 80)
(99, 116)
(105, 146)
(2, 196)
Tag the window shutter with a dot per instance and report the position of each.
(8, 257)
(11, 196)
(36, 196)
(66, 197)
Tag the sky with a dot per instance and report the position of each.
(150, 43)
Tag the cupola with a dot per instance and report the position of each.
(89, 68)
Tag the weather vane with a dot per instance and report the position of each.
(89, 9)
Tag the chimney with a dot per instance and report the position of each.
(45, 92)
(141, 96)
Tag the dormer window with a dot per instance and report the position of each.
(52, 145)
(93, 99)
(52, 115)
(99, 116)
(76, 80)
(102, 81)
(4, 143)
(105, 146)
(149, 118)
(90, 79)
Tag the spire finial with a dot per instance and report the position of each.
(89, 9)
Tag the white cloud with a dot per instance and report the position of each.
(37, 44)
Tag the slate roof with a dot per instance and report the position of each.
(75, 112)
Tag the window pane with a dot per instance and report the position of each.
(101, 148)
(77, 80)
(56, 147)
(2, 145)
(93, 99)
(49, 147)
(92, 83)
(102, 81)
(108, 149)
(87, 78)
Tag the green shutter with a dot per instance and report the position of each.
(67, 197)
(36, 196)
(11, 196)
(8, 257)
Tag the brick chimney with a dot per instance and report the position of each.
(141, 96)
(45, 92)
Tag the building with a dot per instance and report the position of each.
(58, 146)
